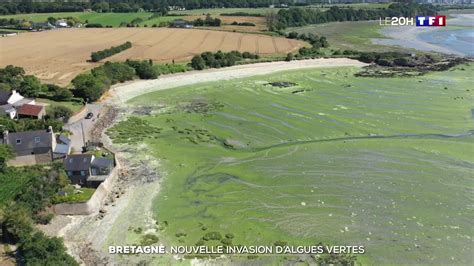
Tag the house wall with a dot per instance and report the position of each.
(15, 97)
(94, 203)
(12, 114)
(77, 178)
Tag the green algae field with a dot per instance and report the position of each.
(313, 156)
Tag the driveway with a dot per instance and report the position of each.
(81, 128)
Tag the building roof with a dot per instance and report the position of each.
(64, 139)
(23, 101)
(102, 162)
(77, 162)
(4, 96)
(61, 148)
(29, 140)
(30, 109)
(7, 108)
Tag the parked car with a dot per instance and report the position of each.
(89, 115)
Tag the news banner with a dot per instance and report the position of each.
(222, 250)
(419, 21)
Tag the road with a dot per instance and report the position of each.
(83, 125)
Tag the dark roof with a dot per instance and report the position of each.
(29, 140)
(102, 162)
(64, 139)
(77, 162)
(4, 96)
(6, 107)
(30, 109)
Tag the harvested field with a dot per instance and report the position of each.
(61, 62)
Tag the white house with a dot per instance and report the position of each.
(11, 100)
(61, 23)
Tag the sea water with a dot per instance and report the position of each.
(460, 40)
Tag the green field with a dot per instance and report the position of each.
(218, 11)
(74, 106)
(384, 163)
(112, 19)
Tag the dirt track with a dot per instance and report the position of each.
(57, 56)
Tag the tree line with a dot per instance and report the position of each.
(130, 5)
(208, 21)
(220, 59)
(97, 56)
(297, 17)
(91, 86)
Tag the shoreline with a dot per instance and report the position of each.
(410, 36)
(88, 233)
(121, 93)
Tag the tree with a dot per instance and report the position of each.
(5, 155)
(198, 62)
(115, 72)
(271, 19)
(143, 69)
(17, 221)
(38, 249)
(59, 93)
(88, 87)
(30, 86)
(293, 35)
(61, 112)
(289, 57)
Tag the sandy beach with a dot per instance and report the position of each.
(121, 93)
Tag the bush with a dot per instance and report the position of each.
(94, 25)
(219, 59)
(289, 57)
(235, 23)
(97, 56)
(61, 112)
(198, 62)
(115, 72)
(143, 69)
(57, 93)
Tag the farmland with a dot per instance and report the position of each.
(384, 163)
(61, 62)
(111, 19)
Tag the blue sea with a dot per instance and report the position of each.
(461, 40)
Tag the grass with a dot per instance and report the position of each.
(12, 182)
(303, 164)
(74, 106)
(74, 195)
(218, 11)
(112, 19)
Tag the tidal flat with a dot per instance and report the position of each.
(317, 156)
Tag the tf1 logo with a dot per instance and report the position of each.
(431, 21)
(420, 21)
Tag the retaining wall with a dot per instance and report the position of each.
(95, 202)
